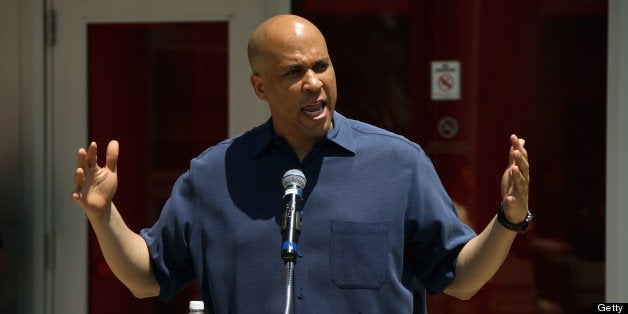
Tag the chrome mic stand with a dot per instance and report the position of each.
(293, 182)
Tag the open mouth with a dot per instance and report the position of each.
(315, 109)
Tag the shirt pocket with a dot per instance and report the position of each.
(359, 254)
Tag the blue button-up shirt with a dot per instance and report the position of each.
(377, 225)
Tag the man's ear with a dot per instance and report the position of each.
(258, 86)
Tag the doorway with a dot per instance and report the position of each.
(161, 91)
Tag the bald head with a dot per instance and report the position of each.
(277, 33)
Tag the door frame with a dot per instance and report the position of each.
(616, 151)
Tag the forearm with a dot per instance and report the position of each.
(126, 253)
(480, 259)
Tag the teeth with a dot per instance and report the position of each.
(314, 113)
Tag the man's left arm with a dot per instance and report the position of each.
(482, 256)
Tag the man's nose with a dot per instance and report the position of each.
(311, 81)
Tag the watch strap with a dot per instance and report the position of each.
(518, 227)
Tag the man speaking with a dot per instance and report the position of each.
(376, 221)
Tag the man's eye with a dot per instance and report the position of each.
(321, 67)
(293, 72)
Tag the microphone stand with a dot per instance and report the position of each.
(291, 229)
(289, 276)
(293, 182)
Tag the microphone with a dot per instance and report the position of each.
(293, 182)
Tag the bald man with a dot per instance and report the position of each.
(378, 228)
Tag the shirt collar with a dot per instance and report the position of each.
(340, 134)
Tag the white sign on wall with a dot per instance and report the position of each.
(446, 80)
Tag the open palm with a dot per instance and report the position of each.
(516, 180)
(95, 186)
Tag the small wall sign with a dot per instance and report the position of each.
(446, 80)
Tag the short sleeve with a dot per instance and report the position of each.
(168, 240)
(435, 234)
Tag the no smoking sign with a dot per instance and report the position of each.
(447, 127)
(445, 80)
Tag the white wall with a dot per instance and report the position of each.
(617, 154)
(21, 131)
(11, 221)
(242, 114)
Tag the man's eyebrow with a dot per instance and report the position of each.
(297, 65)
(291, 66)
(323, 60)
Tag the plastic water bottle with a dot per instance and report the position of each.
(197, 307)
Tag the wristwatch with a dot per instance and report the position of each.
(518, 227)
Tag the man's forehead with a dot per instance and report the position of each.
(286, 41)
(289, 59)
(299, 29)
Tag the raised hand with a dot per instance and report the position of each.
(94, 187)
(515, 181)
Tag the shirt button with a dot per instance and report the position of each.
(300, 295)
(300, 253)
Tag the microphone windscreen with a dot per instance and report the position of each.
(294, 176)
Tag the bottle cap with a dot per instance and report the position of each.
(197, 305)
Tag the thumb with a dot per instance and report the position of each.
(113, 150)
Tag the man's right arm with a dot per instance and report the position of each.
(125, 251)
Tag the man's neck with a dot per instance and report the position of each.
(301, 144)
(301, 147)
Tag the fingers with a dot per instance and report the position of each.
(86, 159)
(518, 156)
(113, 149)
(520, 185)
(87, 165)
(81, 159)
(79, 178)
(92, 155)
(518, 144)
(519, 172)
(79, 174)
